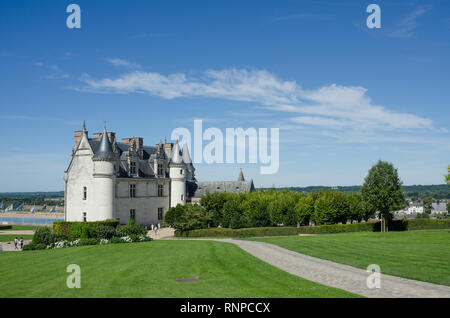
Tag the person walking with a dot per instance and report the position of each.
(156, 230)
(15, 243)
(21, 243)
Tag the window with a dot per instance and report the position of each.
(132, 167)
(160, 170)
(160, 190)
(182, 197)
(84, 217)
(133, 214)
(132, 190)
(160, 214)
(84, 193)
(181, 171)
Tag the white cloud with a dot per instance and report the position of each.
(122, 63)
(333, 106)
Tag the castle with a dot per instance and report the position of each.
(107, 179)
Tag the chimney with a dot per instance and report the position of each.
(139, 144)
(112, 136)
(77, 138)
(97, 136)
(168, 149)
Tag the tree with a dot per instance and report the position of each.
(331, 208)
(382, 191)
(427, 203)
(356, 206)
(305, 209)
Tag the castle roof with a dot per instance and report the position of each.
(198, 189)
(104, 150)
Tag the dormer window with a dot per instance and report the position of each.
(160, 170)
(132, 167)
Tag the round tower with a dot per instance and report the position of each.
(104, 179)
(177, 174)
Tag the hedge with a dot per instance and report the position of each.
(395, 225)
(428, 224)
(5, 227)
(244, 232)
(80, 229)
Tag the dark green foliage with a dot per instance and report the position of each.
(5, 227)
(357, 210)
(131, 228)
(74, 230)
(331, 207)
(428, 224)
(43, 235)
(32, 247)
(187, 217)
(116, 240)
(395, 225)
(247, 232)
(105, 232)
(232, 214)
(382, 190)
(88, 241)
(305, 209)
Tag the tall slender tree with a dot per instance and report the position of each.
(382, 191)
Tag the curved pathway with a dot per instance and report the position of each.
(338, 275)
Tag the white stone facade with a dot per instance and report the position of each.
(111, 180)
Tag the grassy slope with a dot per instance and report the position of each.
(151, 270)
(420, 255)
(10, 238)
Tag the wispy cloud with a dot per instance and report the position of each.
(123, 63)
(333, 106)
(56, 72)
(406, 27)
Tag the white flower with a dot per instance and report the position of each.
(104, 241)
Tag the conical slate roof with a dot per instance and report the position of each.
(176, 156)
(241, 176)
(186, 155)
(104, 151)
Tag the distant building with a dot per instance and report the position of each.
(439, 207)
(107, 179)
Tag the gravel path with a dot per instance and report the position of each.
(338, 275)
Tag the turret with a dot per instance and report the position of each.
(159, 162)
(104, 178)
(177, 173)
(190, 170)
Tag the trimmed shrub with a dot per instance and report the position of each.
(106, 232)
(88, 241)
(74, 230)
(244, 232)
(32, 247)
(132, 228)
(5, 227)
(43, 235)
(428, 224)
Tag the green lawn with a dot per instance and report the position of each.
(420, 255)
(9, 238)
(150, 270)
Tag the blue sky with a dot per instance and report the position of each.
(342, 95)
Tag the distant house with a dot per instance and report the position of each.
(439, 207)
